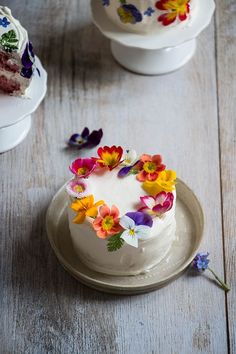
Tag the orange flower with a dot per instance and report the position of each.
(175, 9)
(149, 167)
(85, 207)
(109, 156)
(107, 223)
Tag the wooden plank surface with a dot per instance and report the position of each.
(226, 59)
(44, 310)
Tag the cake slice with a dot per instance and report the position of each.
(16, 55)
(121, 211)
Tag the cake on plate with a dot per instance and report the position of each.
(16, 55)
(121, 210)
(149, 16)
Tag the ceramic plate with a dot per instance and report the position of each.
(169, 38)
(189, 217)
(14, 109)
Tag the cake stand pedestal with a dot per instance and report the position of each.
(154, 54)
(15, 118)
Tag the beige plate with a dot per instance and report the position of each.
(189, 217)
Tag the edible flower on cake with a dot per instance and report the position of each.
(175, 9)
(109, 156)
(158, 205)
(78, 188)
(136, 225)
(85, 207)
(107, 222)
(149, 167)
(83, 167)
(165, 181)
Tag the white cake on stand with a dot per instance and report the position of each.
(152, 37)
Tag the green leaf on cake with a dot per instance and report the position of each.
(115, 242)
(9, 40)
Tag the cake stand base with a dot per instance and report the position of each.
(14, 134)
(153, 62)
(189, 229)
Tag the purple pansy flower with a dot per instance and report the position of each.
(129, 13)
(27, 61)
(85, 139)
(105, 2)
(136, 226)
(201, 263)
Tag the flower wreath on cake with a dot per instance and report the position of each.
(107, 222)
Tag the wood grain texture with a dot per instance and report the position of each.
(226, 54)
(44, 310)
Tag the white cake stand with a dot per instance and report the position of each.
(15, 117)
(151, 54)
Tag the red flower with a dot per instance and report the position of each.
(149, 167)
(109, 156)
(175, 9)
(107, 223)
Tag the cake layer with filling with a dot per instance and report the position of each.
(16, 55)
(121, 211)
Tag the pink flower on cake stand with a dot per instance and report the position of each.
(82, 168)
(158, 205)
(107, 223)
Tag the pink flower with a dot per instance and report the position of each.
(157, 205)
(78, 188)
(108, 222)
(83, 167)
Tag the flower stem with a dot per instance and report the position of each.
(222, 284)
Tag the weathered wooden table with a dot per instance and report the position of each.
(189, 117)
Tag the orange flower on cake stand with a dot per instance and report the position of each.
(149, 167)
(109, 156)
(175, 9)
(107, 223)
(85, 207)
(165, 182)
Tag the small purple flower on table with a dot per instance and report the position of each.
(136, 226)
(201, 263)
(86, 139)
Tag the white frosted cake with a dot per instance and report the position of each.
(121, 211)
(149, 16)
(16, 55)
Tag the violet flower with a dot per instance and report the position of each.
(136, 226)
(86, 139)
(201, 263)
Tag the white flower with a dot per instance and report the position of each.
(129, 157)
(132, 231)
(78, 188)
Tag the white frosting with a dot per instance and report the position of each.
(125, 194)
(15, 25)
(149, 24)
